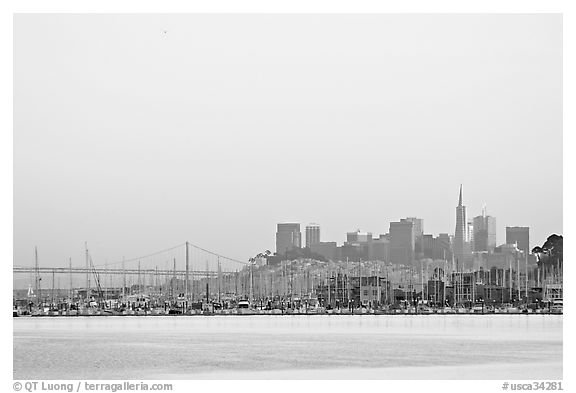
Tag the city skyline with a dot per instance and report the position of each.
(216, 140)
(302, 229)
(482, 235)
(260, 195)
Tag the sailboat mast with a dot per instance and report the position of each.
(336, 290)
(510, 280)
(123, 279)
(187, 277)
(526, 278)
(379, 294)
(360, 282)
(518, 276)
(345, 286)
(87, 273)
(52, 303)
(173, 280)
(422, 279)
(71, 287)
(104, 281)
(37, 284)
(219, 279)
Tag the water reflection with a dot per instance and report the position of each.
(153, 347)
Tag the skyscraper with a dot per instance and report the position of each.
(519, 236)
(484, 232)
(418, 235)
(470, 234)
(312, 235)
(358, 237)
(358, 246)
(288, 237)
(402, 242)
(462, 250)
(442, 247)
(418, 226)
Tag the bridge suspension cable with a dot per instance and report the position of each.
(143, 257)
(217, 255)
(171, 249)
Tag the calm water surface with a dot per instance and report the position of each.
(387, 347)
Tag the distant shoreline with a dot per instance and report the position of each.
(279, 315)
(521, 371)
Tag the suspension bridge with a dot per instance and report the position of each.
(185, 268)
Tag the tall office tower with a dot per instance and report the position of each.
(418, 226)
(358, 246)
(470, 234)
(428, 246)
(380, 248)
(288, 237)
(519, 236)
(484, 232)
(358, 237)
(462, 250)
(402, 242)
(443, 247)
(312, 235)
(418, 236)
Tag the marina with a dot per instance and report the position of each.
(149, 286)
(243, 308)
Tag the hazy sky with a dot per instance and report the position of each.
(139, 132)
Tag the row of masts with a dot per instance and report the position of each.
(286, 282)
(92, 273)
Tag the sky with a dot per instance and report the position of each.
(139, 132)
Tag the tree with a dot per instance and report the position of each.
(551, 252)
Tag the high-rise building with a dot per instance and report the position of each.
(288, 237)
(357, 247)
(418, 236)
(519, 236)
(442, 247)
(428, 246)
(418, 226)
(312, 235)
(380, 248)
(358, 237)
(462, 249)
(470, 234)
(484, 232)
(402, 242)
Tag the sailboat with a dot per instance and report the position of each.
(30, 293)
